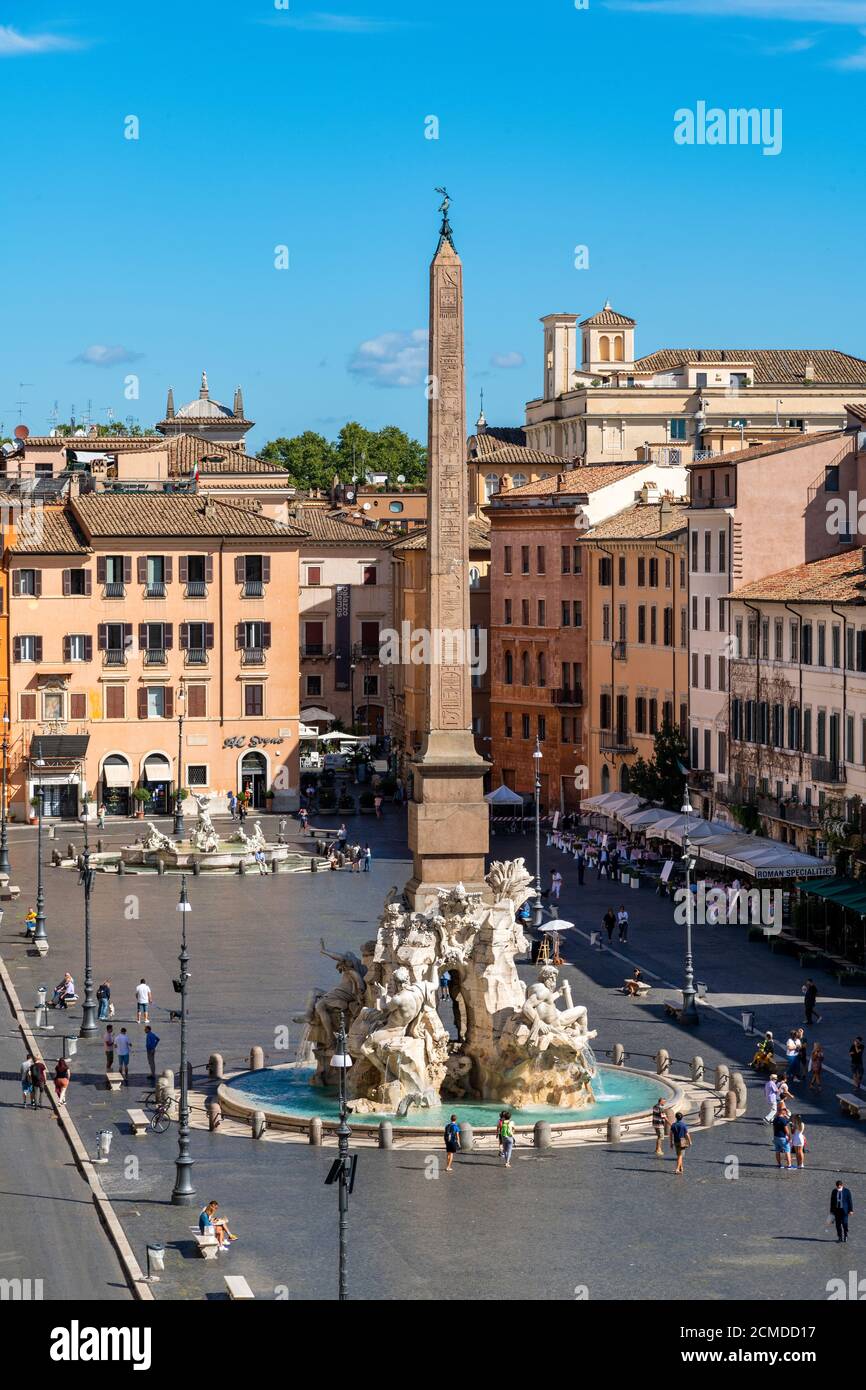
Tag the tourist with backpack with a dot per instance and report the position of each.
(506, 1137)
(452, 1142)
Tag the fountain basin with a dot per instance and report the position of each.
(290, 1102)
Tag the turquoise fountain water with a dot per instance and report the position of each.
(287, 1091)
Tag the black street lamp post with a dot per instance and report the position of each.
(537, 914)
(89, 1026)
(342, 1170)
(689, 1011)
(40, 934)
(178, 800)
(5, 867)
(183, 1191)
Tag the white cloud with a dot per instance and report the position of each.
(14, 44)
(795, 46)
(507, 359)
(392, 359)
(324, 23)
(805, 11)
(98, 355)
(855, 62)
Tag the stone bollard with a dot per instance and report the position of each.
(708, 1113)
(467, 1137)
(617, 1056)
(541, 1135)
(242, 868)
(56, 859)
(386, 1134)
(723, 1077)
(697, 1065)
(315, 1131)
(196, 868)
(259, 1124)
(160, 868)
(738, 1083)
(614, 1129)
(162, 1089)
(215, 1068)
(314, 866)
(71, 851)
(257, 1059)
(731, 1105)
(663, 1061)
(214, 1114)
(98, 846)
(273, 863)
(121, 867)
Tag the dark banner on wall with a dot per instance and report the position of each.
(343, 638)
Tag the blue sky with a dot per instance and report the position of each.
(262, 126)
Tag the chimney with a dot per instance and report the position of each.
(666, 513)
(809, 370)
(239, 404)
(169, 405)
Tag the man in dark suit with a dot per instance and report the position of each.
(841, 1207)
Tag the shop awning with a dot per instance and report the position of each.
(843, 891)
(504, 796)
(116, 774)
(314, 715)
(70, 748)
(157, 769)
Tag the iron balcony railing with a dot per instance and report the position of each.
(156, 589)
(826, 770)
(617, 741)
(620, 650)
(196, 656)
(196, 588)
(154, 656)
(253, 656)
(114, 656)
(253, 588)
(567, 695)
(115, 589)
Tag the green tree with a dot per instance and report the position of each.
(312, 461)
(309, 459)
(663, 778)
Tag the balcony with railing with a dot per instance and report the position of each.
(253, 588)
(114, 656)
(787, 810)
(311, 650)
(253, 656)
(114, 588)
(617, 741)
(155, 589)
(155, 656)
(620, 650)
(196, 588)
(567, 695)
(195, 656)
(828, 771)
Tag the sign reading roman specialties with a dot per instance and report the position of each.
(254, 741)
(342, 637)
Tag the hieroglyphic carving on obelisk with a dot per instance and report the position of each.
(448, 817)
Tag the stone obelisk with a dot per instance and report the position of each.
(448, 816)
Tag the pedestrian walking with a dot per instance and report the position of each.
(782, 1137)
(622, 922)
(555, 885)
(581, 866)
(452, 1141)
(603, 859)
(143, 1001)
(377, 805)
(124, 1047)
(841, 1207)
(855, 1052)
(151, 1043)
(771, 1095)
(444, 982)
(342, 836)
(38, 1078)
(109, 1044)
(608, 921)
(680, 1140)
(368, 858)
(798, 1140)
(26, 1080)
(62, 1078)
(231, 803)
(810, 998)
(816, 1067)
(659, 1125)
(506, 1137)
(792, 1055)
(803, 1054)
(100, 816)
(103, 997)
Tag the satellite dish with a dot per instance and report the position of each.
(401, 477)
(21, 431)
(8, 449)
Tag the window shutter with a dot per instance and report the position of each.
(239, 635)
(240, 568)
(16, 583)
(37, 583)
(102, 636)
(208, 569)
(37, 653)
(16, 649)
(266, 569)
(78, 706)
(141, 695)
(141, 566)
(127, 569)
(167, 568)
(168, 636)
(184, 637)
(67, 582)
(142, 636)
(183, 569)
(88, 648)
(196, 701)
(67, 649)
(169, 702)
(127, 636)
(28, 706)
(208, 636)
(266, 634)
(100, 569)
(88, 582)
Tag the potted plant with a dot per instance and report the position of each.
(142, 797)
(367, 803)
(34, 809)
(269, 799)
(346, 802)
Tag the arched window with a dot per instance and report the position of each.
(518, 479)
(624, 778)
(604, 348)
(524, 669)
(509, 669)
(491, 484)
(605, 778)
(542, 669)
(618, 352)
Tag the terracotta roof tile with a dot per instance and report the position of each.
(838, 579)
(783, 366)
(54, 532)
(339, 529)
(479, 537)
(607, 318)
(187, 450)
(858, 411)
(780, 446)
(93, 443)
(585, 479)
(642, 520)
(159, 514)
(500, 448)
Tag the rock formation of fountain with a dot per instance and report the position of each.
(514, 1045)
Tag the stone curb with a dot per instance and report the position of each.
(131, 1268)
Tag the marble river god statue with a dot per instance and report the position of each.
(518, 1045)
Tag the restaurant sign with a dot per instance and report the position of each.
(254, 741)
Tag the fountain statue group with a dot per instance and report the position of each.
(513, 1044)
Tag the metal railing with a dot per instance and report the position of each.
(155, 590)
(196, 656)
(155, 656)
(617, 741)
(114, 656)
(567, 695)
(196, 588)
(253, 588)
(253, 656)
(114, 589)
(827, 770)
(620, 650)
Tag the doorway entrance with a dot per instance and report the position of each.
(254, 779)
(60, 800)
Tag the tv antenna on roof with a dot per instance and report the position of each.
(21, 403)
